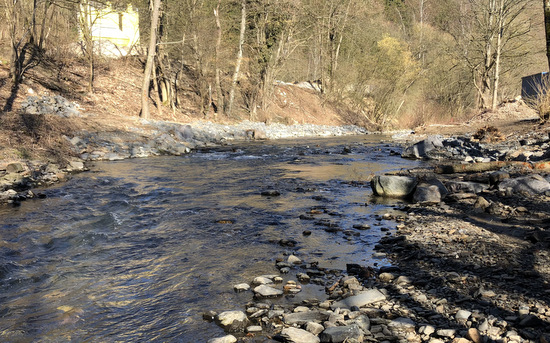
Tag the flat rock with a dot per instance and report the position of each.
(267, 292)
(362, 299)
(295, 335)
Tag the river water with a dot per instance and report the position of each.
(136, 250)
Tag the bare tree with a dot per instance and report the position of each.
(239, 59)
(547, 27)
(150, 59)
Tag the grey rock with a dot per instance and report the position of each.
(467, 187)
(402, 324)
(232, 321)
(360, 300)
(242, 287)
(301, 318)
(267, 292)
(225, 339)
(314, 328)
(531, 184)
(295, 335)
(427, 194)
(424, 149)
(393, 186)
(463, 315)
(339, 334)
(450, 333)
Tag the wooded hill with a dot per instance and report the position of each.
(379, 62)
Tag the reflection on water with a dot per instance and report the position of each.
(136, 250)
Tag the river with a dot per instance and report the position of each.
(136, 250)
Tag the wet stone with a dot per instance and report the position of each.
(267, 292)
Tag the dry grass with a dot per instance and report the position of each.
(29, 136)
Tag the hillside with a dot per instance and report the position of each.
(115, 105)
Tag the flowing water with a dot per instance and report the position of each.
(136, 250)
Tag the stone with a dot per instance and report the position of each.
(424, 149)
(402, 324)
(393, 186)
(340, 334)
(474, 336)
(314, 328)
(294, 260)
(497, 177)
(242, 287)
(530, 184)
(427, 330)
(481, 204)
(262, 280)
(295, 335)
(363, 322)
(386, 277)
(450, 333)
(427, 194)
(15, 168)
(301, 318)
(463, 315)
(403, 280)
(225, 339)
(267, 292)
(232, 321)
(254, 329)
(360, 300)
(271, 193)
(466, 187)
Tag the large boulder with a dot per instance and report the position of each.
(530, 184)
(393, 186)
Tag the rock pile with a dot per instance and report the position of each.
(56, 105)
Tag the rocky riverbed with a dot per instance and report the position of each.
(470, 261)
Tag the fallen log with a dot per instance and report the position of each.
(490, 166)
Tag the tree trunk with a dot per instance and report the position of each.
(219, 94)
(239, 60)
(150, 60)
(498, 53)
(547, 26)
